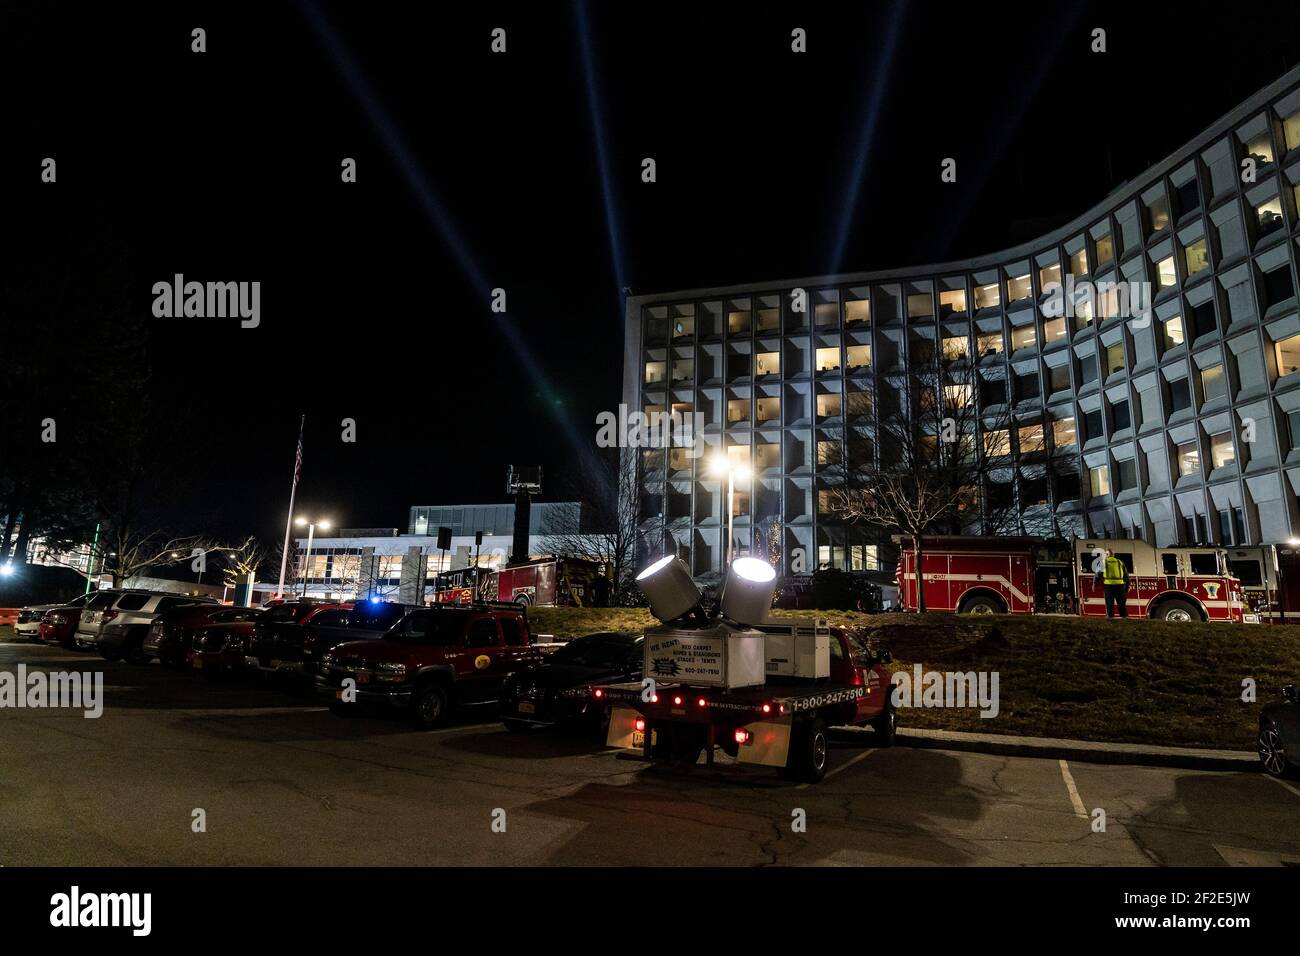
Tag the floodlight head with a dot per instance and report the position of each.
(668, 587)
(747, 593)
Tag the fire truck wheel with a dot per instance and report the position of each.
(886, 726)
(809, 752)
(982, 605)
(1180, 612)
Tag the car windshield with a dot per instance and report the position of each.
(597, 650)
(858, 643)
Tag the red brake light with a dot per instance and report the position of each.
(678, 700)
(598, 693)
(654, 698)
(640, 724)
(767, 708)
(702, 702)
(743, 736)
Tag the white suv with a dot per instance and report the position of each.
(127, 624)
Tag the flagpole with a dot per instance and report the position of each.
(288, 525)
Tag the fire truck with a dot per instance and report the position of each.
(461, 586)
(548, 583)
(1025, 575)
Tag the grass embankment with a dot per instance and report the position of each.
(1084, 678)
(6, 633)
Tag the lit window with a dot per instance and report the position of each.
(987, 296)
(1064, 433)
(1260, 149)
(738, 410)
(1079, 262)
(859, 356)
(952, 302)
(1031, 439)
(1105, 248)
(1196, 256)
(737, 322)
(956, 396)
(1099, 480)
(1173, 331)
(1269, 216)
(1054, 329)
(1158, 211)
(684, 326)
(1213, 384)
(738, 456)
(956, 348)
(1114, 358)
(997, 443)
(1049, 275)
(1288, 355)
(1083, 310)
(857, 310)
(828, 453)
(1166, 274)
(1023, 337)
(767, 455)
(1018, 288)
(1291, 130)
(990, 344)
(767, 363)
(1221, 450)
(1189, 459)
(828, 406)
(864, 557)
(828, 359)
(768, 409)
(654, 372)
(679, 458)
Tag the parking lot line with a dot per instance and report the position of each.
(1080, 810)
(1283, 783)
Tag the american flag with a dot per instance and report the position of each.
(297, 458)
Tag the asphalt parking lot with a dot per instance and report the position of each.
(280, 780)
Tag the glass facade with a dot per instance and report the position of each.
(1161, 397)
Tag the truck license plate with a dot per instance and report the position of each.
(638, 738)
(527, 708)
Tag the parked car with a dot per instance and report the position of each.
(1279, 735)
(59, 625)
(219, 646)
(123, 627)
(431, 661)
(277, 642)
(28, 624)
(171, 633)
(92, 617)
(559, 690)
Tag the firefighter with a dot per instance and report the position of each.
(1113, 577)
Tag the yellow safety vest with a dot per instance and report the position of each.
(1114, 573)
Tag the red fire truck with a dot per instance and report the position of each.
(1021, 575)
(558, 581)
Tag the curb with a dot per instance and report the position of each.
(1087, 751)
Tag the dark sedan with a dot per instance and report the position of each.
(559, 690)
(1279, 735)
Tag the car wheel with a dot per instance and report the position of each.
(1272, 751)
(809, 753)
(430, 707)
(886, 726)
(517, 726)
(982, 605)
(1179, 612)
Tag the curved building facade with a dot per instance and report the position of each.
(1177, 423)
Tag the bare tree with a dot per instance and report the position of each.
(933, 462)
(602, 524)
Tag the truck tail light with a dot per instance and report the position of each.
(108, 615)
(767, 708)
(743, 736)
(702, 702)
(677, 701)
(598, 693)
(639, 724)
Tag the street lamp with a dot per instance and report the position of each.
(720, 465)
(311, 532)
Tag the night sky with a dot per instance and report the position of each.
(479, 170)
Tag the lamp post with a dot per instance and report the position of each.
(734, 472)
(311, 533)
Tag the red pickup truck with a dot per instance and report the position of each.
(430, 661)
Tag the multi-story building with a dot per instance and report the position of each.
(1180, 425)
